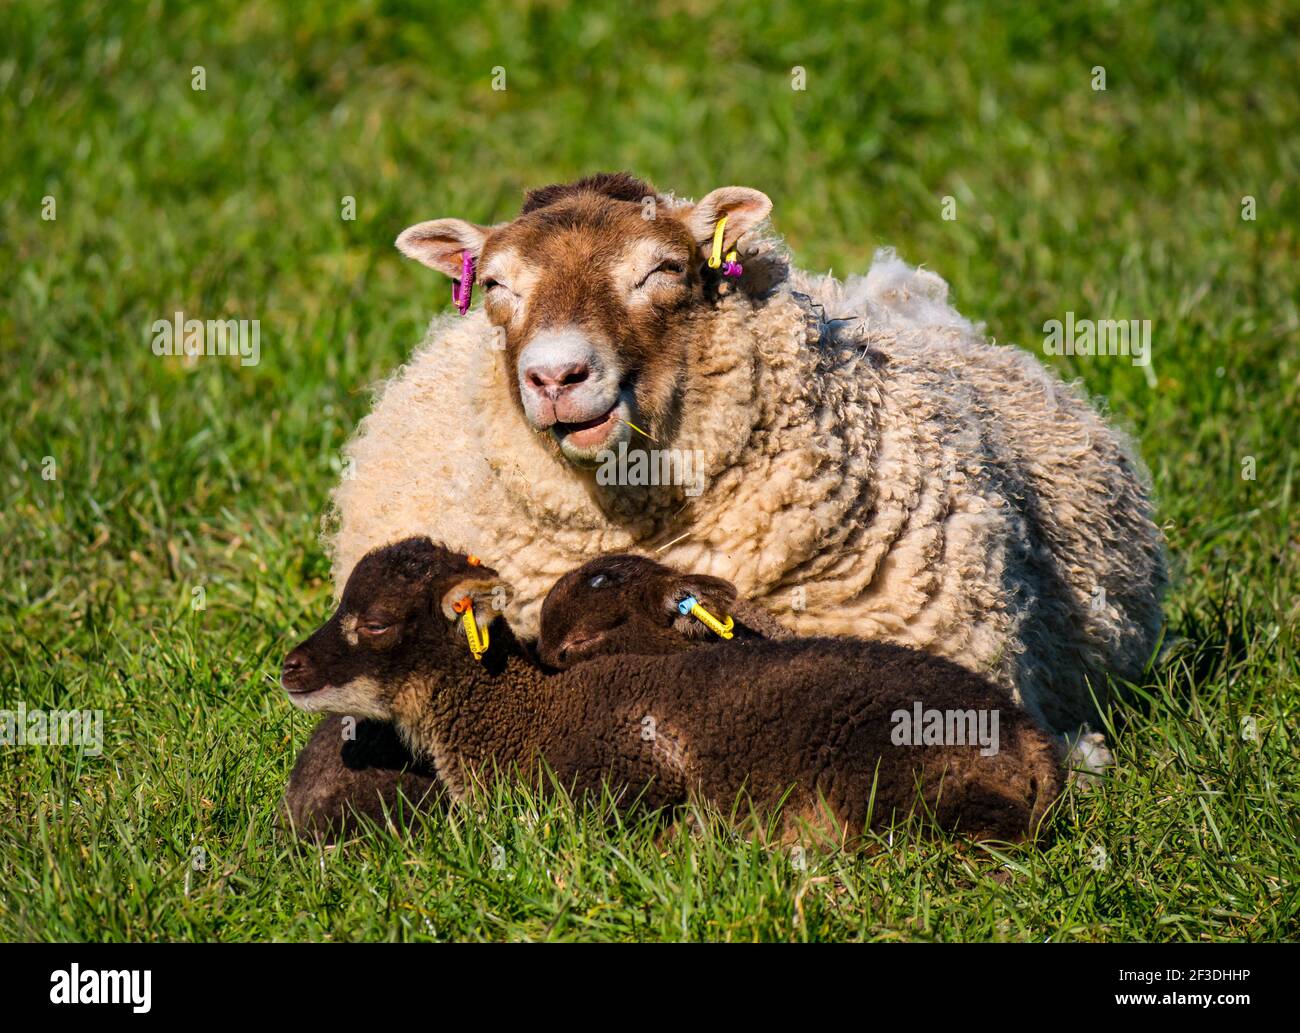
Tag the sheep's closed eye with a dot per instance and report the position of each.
(374, 627)
(667, 270)
(500, 288)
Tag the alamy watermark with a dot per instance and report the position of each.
(194, 337)
(922, 727)
(74, 985)
(23, 727)
(1128, 337)
(651, 468)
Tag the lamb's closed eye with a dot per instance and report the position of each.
(376, 634)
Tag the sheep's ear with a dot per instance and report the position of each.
(439, 243)
(744, 208)
(713, 593)
(489, 595)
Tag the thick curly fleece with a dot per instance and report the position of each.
(875, 467)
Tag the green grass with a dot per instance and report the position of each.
(170, 477)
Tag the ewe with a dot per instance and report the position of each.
(873, 466)
(816, 719)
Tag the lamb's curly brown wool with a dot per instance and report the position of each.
(816, 717)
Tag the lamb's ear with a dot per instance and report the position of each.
(713, 593)
(744, 208)
(439, 243)
(489, 595)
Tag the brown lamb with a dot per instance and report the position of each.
(804, 725)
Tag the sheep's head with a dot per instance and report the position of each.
(595, 286)
(626, 604)
(395, 622)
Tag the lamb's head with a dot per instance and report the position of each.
(397, 621)
(596, 287)
(626, 604)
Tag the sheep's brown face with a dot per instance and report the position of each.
(395, 622)
(595, 287)
(625, 604)
(594, 301)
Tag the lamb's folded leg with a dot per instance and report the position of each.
(339, 780)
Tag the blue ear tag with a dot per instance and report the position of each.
(691, 606)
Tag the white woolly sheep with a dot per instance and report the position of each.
(869, 463)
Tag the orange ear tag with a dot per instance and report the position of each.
(476, 637)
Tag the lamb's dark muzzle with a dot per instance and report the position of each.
(298, 675)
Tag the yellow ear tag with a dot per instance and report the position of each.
(691, 605)
(715, 259)
(476, 637)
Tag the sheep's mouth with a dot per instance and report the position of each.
(579, 432)
(584, 645)
(297, 692)
(579, 647)
(310, 699)
(584, 442)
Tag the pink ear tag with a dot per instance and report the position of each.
(463, 289)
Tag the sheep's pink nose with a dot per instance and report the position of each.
(550, 380)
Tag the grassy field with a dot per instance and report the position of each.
(134, 488)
